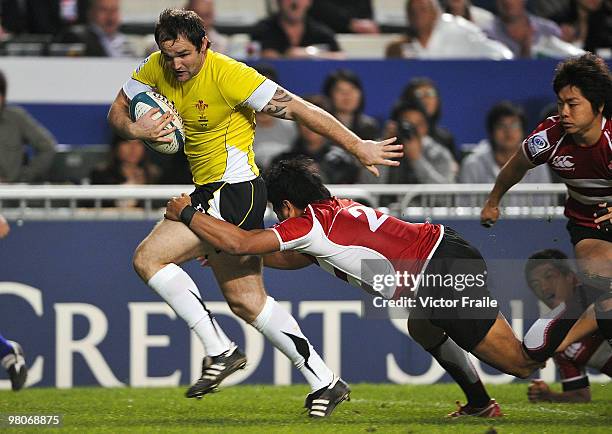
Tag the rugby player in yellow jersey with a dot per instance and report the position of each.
(217, 98)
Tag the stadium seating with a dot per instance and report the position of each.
(390, 13)
(240, 12)
(73, 164)
(359, 46)
(233, 13)
(145, 11)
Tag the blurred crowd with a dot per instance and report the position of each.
(494, 29)
(431, 155)
(432, 29)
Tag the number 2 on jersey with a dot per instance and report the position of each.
(374, 222)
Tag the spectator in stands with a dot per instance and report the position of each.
(506, 129)
(464, 8)
(291, 33)
(128, 163)
(18, 131)
(206, 10)
(527, 35)
(425, 161)
(101, 36)
(549, 8)
(273, 136)
(335, 165)
(345, 16)
(425, 91)
(587, 24)
(38, 16)
(344, 90)
(433, 35)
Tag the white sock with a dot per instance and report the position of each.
(181, 293)
(283, 331)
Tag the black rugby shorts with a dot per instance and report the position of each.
(578, 233)
(465, 322)
(243, 204)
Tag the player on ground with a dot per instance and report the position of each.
(11, 353)
(13, 361)
(553, 281)
(577, 146)
(339, 235)
(217, 98)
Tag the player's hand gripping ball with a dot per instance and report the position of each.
(145, 101)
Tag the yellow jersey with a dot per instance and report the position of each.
(219, 128)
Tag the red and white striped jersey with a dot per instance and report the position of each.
(586, 171)
(593, 351)
(355, 242)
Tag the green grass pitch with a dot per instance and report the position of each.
(250, 409)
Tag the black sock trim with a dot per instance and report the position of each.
(475, 393)
(212, 317)
(438, 345)
(302, 347)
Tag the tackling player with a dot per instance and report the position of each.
(552, 280)
(217, 98)
(577, 146)
(339, 235)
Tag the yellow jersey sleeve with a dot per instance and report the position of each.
(240, 81)
(150, 71)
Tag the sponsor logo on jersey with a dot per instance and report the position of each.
(537, 144)
(610, 165)
(141, 65)
(562, 162)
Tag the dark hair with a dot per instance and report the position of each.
(115, 162)
(409, 93)
(466, 12)
(403, 106)
(501, 110)
(591, 75)
(554, 257)
(343, 75)
(267, 70)
(548, 110)
(2, 84)
(296, 180)
(173, 23)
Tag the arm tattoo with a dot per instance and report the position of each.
(277, 106)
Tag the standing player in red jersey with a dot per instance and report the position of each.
(345, 237)
(577, 146)
(551, 278)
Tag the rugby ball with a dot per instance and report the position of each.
(145, 101)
